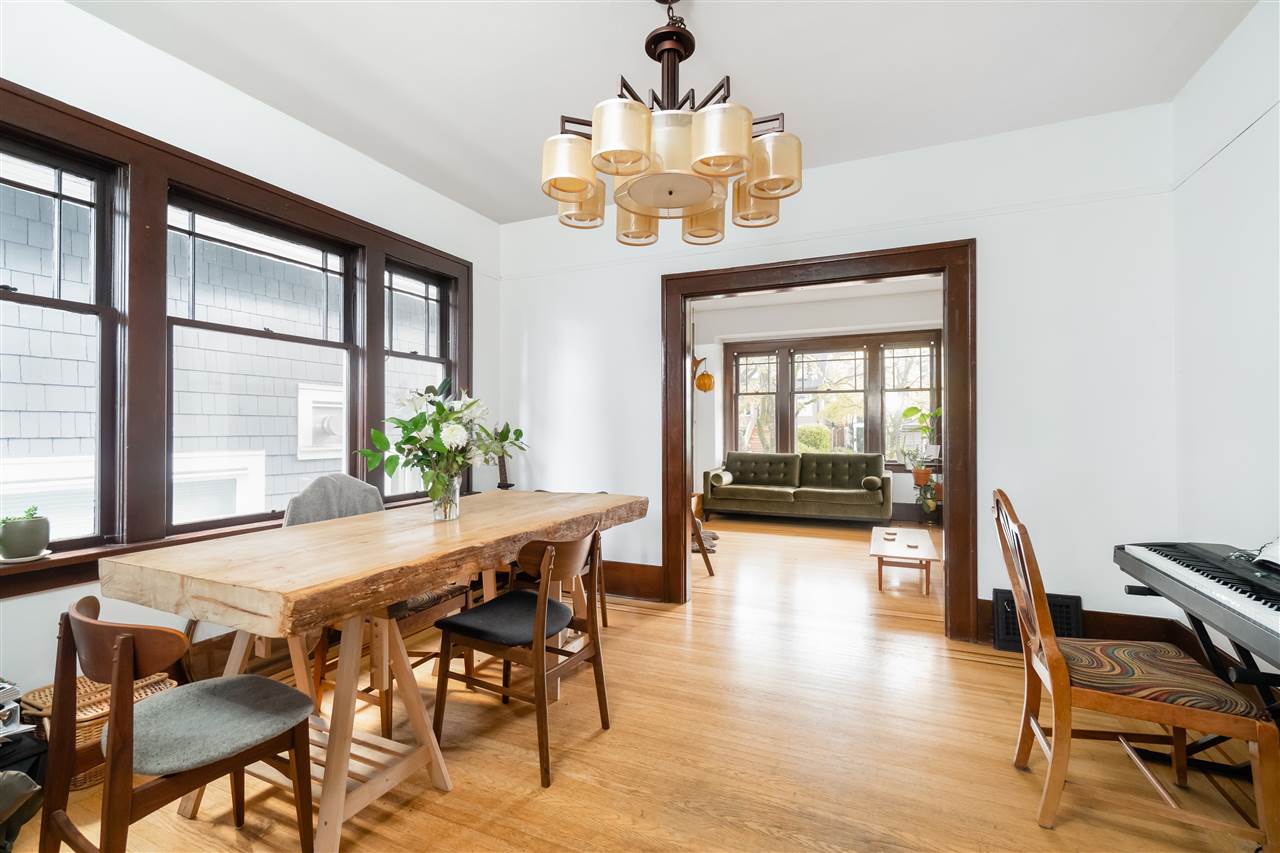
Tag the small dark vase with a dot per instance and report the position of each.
(502, 474)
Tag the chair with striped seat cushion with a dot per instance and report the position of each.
(1157, 672)
(1153, 683)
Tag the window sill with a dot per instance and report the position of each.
(900, 468)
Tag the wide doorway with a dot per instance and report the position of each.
(826, 407)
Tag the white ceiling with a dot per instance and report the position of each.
(460, 95)
(836, 291)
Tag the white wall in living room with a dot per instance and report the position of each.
(66, 53)
(1074, 225)
(1227, 239)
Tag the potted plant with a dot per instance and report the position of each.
(498, 445)
(24, 536)
(928, 423)
(439, 441)
(927, 497)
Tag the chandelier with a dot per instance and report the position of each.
(673, 157)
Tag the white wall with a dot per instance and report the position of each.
(1074, 267)
(68, 54)
(1227, 239)
(881, 311)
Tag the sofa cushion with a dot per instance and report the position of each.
(764, 469)
(855, 497)
(870, 483)
(839, 470)
(754, 493)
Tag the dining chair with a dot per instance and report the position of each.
(515, 627)
(331, 496)
(185, 737)
(516, 578)
(1148, 681)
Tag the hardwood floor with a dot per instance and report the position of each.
(789, 707)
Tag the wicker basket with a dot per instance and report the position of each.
(93, 700)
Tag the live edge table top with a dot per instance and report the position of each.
(291, 580)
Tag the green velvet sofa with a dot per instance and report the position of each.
(853, 486)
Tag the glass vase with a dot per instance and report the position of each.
(447, 506)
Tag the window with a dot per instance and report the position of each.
(830, 401)
(908, 381)
(756, 410)
(416, 344)
(259, 360)
(840, 394)
(57, 345)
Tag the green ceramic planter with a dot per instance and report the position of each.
(25, 537)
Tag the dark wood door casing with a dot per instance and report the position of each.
(956, 261)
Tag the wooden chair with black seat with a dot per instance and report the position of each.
(516, 627)
(185, 737)
(1148, 681)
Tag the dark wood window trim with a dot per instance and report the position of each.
(102, 307)
(784, 349)
(956, 261)
(144, 172)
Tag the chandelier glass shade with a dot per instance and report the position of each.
(672, 157)
(775, 166)
(620, 136)
(567, 174)
(750, 211)
(588, 213)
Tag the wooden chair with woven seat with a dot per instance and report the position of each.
(184, 737)
(516, 627)
(1153, 682)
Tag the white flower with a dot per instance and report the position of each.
(454, 436)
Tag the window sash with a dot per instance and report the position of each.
(103, 250)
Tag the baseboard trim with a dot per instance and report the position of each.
(634, 580)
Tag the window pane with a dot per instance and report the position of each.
(400, 281)
(26, 232)
(179, 218)
(333, 322)
(238, 287)
(831, 423)
(908, 367)
(898, 437)
(250, 239)
(254, 420)
(49, 416)
(77, 187)
(402, 376)
(179, 274)
(433, 328)
(757, 423)
(408, 323)
(757, 374)
(76, 252)
(25, 172)
(830, 371)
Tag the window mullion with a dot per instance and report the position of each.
(875, 400)
(783, 402)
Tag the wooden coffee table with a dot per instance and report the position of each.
(904, 547)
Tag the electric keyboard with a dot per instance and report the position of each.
(1236, 596)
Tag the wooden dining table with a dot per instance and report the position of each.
(290, 581)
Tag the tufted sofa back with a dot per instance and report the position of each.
(763, 469)
(839, 470)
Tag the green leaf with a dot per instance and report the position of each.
(911, 412)
(380, 440)
(445, 387)
(391, 465)
(519, 434)
(436, 444)
(372, 458)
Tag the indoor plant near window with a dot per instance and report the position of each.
(498, 445)
(927, 422)
(439, 441)
(24, 536)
